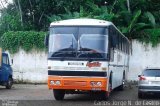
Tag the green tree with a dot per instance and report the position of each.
(137, 22)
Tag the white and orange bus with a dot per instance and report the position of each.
(86, 55)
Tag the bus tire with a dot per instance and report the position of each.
(110, 82)
(104, 95)
(9, 83)
(59, 94)
(121, 87)
(140, 95)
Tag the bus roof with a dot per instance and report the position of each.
(84, 22)
(81, 22)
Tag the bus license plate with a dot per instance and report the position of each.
(96, 89)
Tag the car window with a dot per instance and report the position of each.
(152, 72)
(5, 60)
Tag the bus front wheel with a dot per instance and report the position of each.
(104, 95)
(59, 94)
(121, 87)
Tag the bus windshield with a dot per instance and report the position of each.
(78, 42)
(62, 43)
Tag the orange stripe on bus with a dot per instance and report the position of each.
(77, 83)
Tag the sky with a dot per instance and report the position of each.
(4, 3)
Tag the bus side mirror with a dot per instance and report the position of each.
(46, 41)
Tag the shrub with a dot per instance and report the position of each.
(27, 40)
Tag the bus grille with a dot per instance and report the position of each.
(75, 83)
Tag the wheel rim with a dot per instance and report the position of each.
(110, 87)
(10, 82)
(123, 82)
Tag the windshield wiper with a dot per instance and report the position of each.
(64, 53)
(89, 54)
(84, 55)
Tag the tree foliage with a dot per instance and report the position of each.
(36, 15)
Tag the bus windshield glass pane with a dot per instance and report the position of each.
(78, 42)
(62, 43)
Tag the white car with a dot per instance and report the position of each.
(149, 82)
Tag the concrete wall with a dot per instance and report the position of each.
(142, 56)
(32, 66)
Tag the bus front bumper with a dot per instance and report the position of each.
(77, 83)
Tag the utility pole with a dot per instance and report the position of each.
(128, 5)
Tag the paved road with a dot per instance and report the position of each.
(39, 95)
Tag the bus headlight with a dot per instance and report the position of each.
(99, 83)
(96, 83)
(51, 82)
(57, 82)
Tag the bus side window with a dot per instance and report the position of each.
(123, 45)
(112, 43)
(112, 49)
(119, 42)
(114, 38)
(116, 41)
(126, 47)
